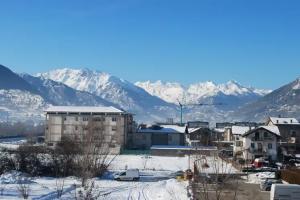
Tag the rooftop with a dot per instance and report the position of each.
(167, 129)
(84, 109)
(284, 120)
(272, 129)
(239, 130)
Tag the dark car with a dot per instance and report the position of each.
(266, 184)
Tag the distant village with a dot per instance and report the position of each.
(277, 139)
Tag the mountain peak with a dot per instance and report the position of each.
(10, 80)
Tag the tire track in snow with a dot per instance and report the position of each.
(143, 191)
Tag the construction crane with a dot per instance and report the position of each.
(198, 104)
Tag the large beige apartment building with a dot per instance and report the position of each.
(75, 121)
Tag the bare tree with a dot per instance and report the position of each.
(145, 160)
(87, 192)
(94, 146)
(215, 177)
(24, 186)
(59, 183)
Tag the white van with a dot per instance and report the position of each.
(128, 175)
(285, 192)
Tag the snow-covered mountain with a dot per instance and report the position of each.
(18, 99)
(21, 105)
(284, 101)
(60, 94)
(113, 89)
(25, 96)
(230, 92)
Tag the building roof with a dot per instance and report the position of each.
(220, 130)
(167, 129)
(284, 120)
(271, 129)
(84, 109)
(239, 130)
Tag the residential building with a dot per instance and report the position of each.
(198, 124)
(234, 134)
(74, 121)
(260, 142)
(222, 125)
(289, 129)
(197, 137)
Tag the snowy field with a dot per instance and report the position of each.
(157, 181)
(12, 143)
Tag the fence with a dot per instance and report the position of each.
(291, 176)
(134, 152)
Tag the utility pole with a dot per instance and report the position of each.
(198, 104)
(180, 112)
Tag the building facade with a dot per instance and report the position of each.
(289, 129)
(72, 122)
(260, 142)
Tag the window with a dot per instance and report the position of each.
(98, 119)
(113, 128)
(252, 145)
(266, 134)
(114, 119)
(239, 143)
(293, 133)
(65, 118)
(270, 146)
(76, 118)
(85, 119)
(256, 136)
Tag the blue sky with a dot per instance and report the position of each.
(254, 42)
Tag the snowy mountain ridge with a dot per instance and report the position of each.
(194, 93)
(113, 89)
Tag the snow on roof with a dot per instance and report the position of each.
(82, 109)
(220, 130)
(168, 129)
(273, 129)
(239, 130)
(180, 129)
(171, 147)
(284, 120)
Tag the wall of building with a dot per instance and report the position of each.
(113, 127)
(251, 153)
(139, 141)
(143, 140)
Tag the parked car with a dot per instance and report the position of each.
(285, 192)
(266, 184)
(128, 175)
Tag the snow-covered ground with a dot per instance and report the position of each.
(12, 143)
(162, 163)
(156, 181)
(256, 178)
